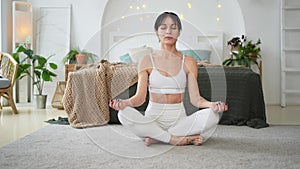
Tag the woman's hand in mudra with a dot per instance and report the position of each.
(219, 107)
(117, 104)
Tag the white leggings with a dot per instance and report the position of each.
(163, 120)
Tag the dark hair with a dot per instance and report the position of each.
(163, 16)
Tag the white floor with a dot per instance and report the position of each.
(28, 120)
(13, 127)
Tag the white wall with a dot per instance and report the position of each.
(198, 19)
(262, 19)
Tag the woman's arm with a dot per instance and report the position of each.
(140, 96)
(196, 99)
(142, 86)
(192, 75)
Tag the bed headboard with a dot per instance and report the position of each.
(121, 42)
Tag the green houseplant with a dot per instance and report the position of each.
(235, 42)
(246, 52)
(42, 71)
(79, 56)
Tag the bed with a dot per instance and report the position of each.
(241, 90)
(239, 87)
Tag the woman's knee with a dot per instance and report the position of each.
(206, 118)
(123, 115)
(129, 115)
(212, 116)
(212, 119)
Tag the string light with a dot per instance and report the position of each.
(189, 5)
(219, 6)
(181, 16)
(134, 7)
(137, 7)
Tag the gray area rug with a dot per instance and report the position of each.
(111, 146)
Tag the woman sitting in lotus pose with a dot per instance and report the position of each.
(166, 73)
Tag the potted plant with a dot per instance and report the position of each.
(246, 52)
(41, 71)
(235, 42)
(78, 56)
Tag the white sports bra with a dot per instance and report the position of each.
(161, 84)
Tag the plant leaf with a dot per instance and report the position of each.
(28, 52)
(52, 73)
(53, 66)
(16, 57)
(46, 76)
(42, 61)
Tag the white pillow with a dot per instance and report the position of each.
(137, 53)
(204, 46)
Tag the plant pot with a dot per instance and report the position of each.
(81, 58)
(40, 101)
(72, 60)
(234, 48)
(253, 55)
(231, 53)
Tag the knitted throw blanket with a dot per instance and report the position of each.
(89, 90)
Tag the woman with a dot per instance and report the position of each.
(165, 74)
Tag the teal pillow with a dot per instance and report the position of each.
(197, 54)
(125, 58)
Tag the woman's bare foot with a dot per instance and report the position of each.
(187, 140)
(149, 141)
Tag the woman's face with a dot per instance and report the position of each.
(168, 31)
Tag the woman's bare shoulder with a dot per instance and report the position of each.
(190, 60)
(145, 63)
(190, 64)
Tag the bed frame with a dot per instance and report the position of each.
(121, 42)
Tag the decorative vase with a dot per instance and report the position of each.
(40, 101)
(81, 58)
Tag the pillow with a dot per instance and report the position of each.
(4, 83)
(137, 53)
(204, 46)
(197, 54)
(125, 58)
(204, 54)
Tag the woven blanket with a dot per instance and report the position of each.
(89, 90)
